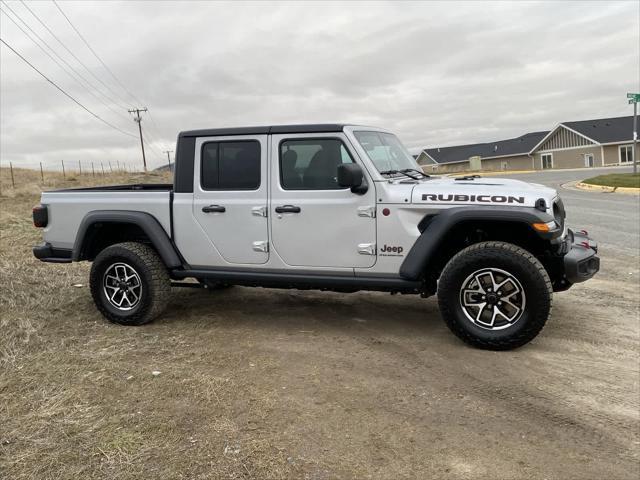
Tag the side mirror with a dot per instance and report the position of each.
(350, 175)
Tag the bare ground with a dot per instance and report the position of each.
(260, 383)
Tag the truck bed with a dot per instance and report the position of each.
(68, 207)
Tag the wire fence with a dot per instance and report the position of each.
(72, 170)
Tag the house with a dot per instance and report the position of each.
(585, 143)
(511, 154)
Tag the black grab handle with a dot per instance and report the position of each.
(287, 209)
(214, 208)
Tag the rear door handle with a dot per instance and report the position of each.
(287, 209)
(214, 208)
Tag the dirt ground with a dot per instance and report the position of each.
(257, 383)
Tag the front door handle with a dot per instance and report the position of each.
(287, 209)
(214, 208)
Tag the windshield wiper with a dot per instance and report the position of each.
(424, 175)
(405, 171)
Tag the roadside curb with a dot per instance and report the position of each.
(607, 189)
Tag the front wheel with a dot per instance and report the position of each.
(129, 283)
(495, 295)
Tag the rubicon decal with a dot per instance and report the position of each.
(432, 197)
(391, 251)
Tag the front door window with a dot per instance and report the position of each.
(312, 164)
(547, 160)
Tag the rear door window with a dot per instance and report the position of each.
(230, 165)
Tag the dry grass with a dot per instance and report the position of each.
(78, 396)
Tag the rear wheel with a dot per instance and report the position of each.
(129, 283)
(495, 295)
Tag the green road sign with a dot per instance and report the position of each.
(634, 97)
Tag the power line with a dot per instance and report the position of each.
(95, 54)
(78, 74)
(155, 125)
(75, 75)
(117, 97)
(65, 93)
(150, 145)
(153, 137)
(113, 75)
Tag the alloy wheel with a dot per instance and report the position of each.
(122, 286)
(492, 299)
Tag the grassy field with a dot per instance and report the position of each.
(616, 180)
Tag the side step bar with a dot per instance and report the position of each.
(304, 281)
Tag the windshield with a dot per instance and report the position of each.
(386, 152)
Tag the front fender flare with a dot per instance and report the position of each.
(428, 242)
(147, 222)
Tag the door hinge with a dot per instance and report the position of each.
(259, 211)
(367, 248)
(367, 211)
(261, 246)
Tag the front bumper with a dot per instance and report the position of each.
(580, 260)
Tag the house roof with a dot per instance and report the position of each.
(513, 146)
(604, 130)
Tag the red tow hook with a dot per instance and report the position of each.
(584, 232)
(585, 244)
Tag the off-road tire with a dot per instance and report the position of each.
(519, 263)
(156, 284)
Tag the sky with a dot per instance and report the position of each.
(435, 73)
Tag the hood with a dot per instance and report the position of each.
(481, 191)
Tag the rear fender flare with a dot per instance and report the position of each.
(147, 222)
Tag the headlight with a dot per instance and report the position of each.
(545, 227)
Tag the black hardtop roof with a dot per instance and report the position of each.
(264, 130)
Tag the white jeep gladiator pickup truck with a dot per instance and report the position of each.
(330, 207)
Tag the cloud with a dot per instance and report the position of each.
(436, 73)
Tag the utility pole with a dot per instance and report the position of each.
(169, 158)
(138, 119)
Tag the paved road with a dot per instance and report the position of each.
(613, 219)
